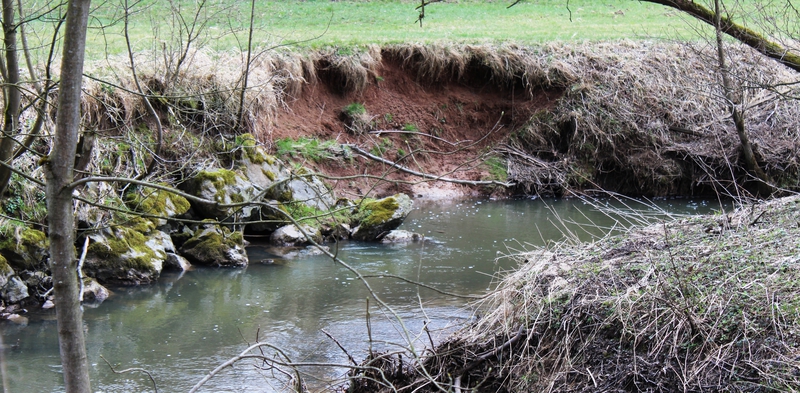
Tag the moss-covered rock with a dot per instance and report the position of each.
(260, 168)
(6, 271)
(12, 288)
(308, 190)
(224, 187)
(127, 255)
(290, 235)
(25, 249)
(376, 218)
(213, 245)
(156, 202)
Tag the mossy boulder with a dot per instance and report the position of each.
(14, 291)
(290, 235)
(12, 288)
(214, 245)
(306, 189)
(127, 254)
(260, 168)
(376, 218)
(156, 202)
(25, 248)
(224, 187)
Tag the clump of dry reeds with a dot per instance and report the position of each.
(702, 304)
(649, 117)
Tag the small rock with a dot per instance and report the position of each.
(290, 235)
(94, 292)
(401, 236)
(176, 262)
(18, 319)
(48, 304)
(14, 291)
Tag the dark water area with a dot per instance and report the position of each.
(185, 325)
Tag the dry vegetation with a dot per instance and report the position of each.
(701, 304)
(641, 118)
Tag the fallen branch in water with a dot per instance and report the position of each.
(427, 175)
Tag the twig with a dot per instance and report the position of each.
(422, 285)
(427, 175)
(128, 370)
(369, 330)
(379, 132)
(340, 346)
(487, 355)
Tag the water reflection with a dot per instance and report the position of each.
(182, 327)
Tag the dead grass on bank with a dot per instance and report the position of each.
(651, 115)
(636, 117)
(701, 304)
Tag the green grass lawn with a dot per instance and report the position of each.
(320, 23)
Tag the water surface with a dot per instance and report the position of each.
(185, 325)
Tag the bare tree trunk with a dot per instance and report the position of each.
(12, 93)
(59, 174)
(246, 72)
(734, 104)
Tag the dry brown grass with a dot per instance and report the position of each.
(652, 115)
(701, 304)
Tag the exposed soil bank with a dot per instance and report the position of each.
(636, 118)
(703, 304)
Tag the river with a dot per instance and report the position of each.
(185, 325)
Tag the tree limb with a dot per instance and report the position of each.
(427, 175)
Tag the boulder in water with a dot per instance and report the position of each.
(214, 245)
(379, 217)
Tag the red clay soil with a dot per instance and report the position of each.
(458, 120)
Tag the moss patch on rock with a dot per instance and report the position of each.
(157, 202)
(213, 245)
(124, 247)
(251, 151)
(25, 248)
(218, 178)
(374, 212)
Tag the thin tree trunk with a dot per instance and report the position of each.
(12, 93)
(59, 174)
(734, 104)
(246, 72)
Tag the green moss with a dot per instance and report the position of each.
(374, 212)
(123, 241)
(218, 178)
(269, 174)
(237, 198)
(34, 238)
(209, 245)
(5, 268)
(157, 202)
